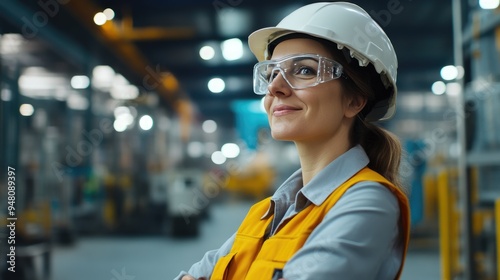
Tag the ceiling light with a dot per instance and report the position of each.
(26, 110)
(100, 18)
(218, 157)
(438, 87)
(109, 13)
(489, 4)
(146, 122)
(207, 52)
(449, 72)
(232, 49)
(102, 77)
(209, 126)
(124, 92)
(80, 82)
(119, 125)
(127, 119)
(216, 85)
(230, 150)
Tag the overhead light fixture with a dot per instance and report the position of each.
(218, 158)
(489, 4)
(124, 92)
(216, 85)
(80, 82)
(232, 49)
(119, 126)
(37, 82)
(230, 150)
(109, 13)
(102, 77)
(123, 118)
(26, 110)
(100, 18)
(146, 122)
(209, 126)
(207, 52)
(449, 72)
(438, 88)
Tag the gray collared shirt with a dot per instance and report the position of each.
(357, 239)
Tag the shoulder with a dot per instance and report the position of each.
(368, 196)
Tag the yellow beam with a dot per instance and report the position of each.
(114, 37)
(444, 225)
(131, 33)
(497, 225)
(156, 33)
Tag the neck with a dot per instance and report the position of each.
(316, 156)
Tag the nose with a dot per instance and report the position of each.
(278, 86)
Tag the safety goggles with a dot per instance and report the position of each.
(299, 71)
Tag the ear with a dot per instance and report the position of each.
(354, 106)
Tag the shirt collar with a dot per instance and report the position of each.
(323, 184)
(335, 174)
(286, 192)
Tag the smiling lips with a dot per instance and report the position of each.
(281, 110)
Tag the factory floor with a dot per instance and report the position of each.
(162, 257)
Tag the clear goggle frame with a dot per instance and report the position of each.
(299, 71)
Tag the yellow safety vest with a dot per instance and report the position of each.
(253, 257)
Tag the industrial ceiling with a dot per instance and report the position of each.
(155, 44)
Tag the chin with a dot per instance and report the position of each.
(282, 136)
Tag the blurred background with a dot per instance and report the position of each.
(132, 142)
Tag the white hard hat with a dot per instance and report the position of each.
(349, 26)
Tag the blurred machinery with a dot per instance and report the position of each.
(482, 96)
(255, 179)
(466, 220)
(187, 200)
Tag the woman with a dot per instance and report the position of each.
(326, 70)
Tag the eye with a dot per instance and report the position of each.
(305, 71)
(270, 75)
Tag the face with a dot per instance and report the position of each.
(313, 114)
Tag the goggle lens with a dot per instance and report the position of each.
(299, 71)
